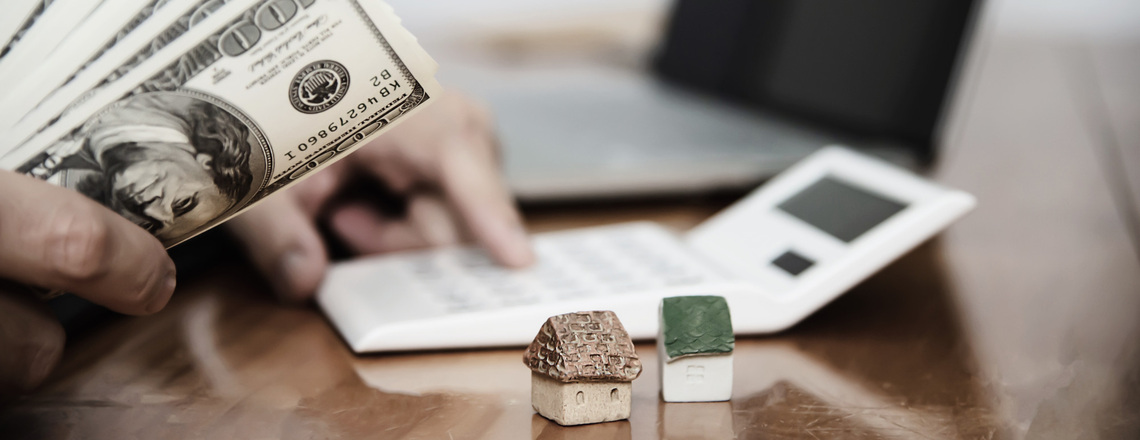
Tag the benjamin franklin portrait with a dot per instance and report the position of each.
(170, 163)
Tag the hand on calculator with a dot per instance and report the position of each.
(443, 161)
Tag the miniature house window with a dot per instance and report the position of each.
(581, 398)
(695, 374)
(614, 395)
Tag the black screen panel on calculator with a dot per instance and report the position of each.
(840, 209)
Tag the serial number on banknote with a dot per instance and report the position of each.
(385, 85)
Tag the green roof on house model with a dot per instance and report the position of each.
(695, 325)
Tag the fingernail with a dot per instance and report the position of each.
(518, 253)
(284, 285)
(160, 298)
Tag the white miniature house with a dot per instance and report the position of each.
(694, 349)
(581, 368)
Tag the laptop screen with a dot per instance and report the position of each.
(877, 69)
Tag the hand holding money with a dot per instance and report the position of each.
(221, 105)
(177, 115)
(58, 239)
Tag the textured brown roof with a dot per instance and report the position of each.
(584, 346)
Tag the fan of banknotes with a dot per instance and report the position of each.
(179, 114)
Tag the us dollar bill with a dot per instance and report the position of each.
(95, 31)
(17, 18)
(250, 101)
(29, 108)
(47, 30)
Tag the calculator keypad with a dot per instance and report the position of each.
(574, 265)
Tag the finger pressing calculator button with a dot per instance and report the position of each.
(793, 263)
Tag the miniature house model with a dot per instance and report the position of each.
(581, 368)
(694, 349)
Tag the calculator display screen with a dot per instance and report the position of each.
(840, 209)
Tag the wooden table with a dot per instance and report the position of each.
(1021, 320)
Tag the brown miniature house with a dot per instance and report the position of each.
(581, 368)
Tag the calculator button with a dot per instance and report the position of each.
(793, 263)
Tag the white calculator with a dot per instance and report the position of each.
(777, 255)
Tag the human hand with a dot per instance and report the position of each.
(58, 239)
(443, 161)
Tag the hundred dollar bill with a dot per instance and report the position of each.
(58, 84)
(47, 30)
(182, 36)
(18, 17)
(241, 106)
(29, 109)
(93, 32)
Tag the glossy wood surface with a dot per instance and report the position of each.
(1021, 320)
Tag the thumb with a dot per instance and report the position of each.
(284, 245)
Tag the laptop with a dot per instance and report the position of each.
(734, 92)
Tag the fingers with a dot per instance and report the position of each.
(56, 238)
(365, 232)
(429, 222)
(284, 245)
(474, 186)
(434, 220)
(451, 147)
(30, 339)
(312, 195)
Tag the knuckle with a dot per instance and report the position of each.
(77, 242)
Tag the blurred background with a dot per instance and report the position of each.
(603, 99)
(1040, 119)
